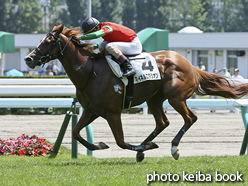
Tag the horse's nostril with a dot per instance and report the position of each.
(28, 59)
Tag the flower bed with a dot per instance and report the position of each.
(25, 145)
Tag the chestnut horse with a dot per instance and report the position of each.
(95, 84)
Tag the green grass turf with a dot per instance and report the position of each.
(86, 170)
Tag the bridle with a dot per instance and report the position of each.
(46, 58)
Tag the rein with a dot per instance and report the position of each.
(46, 58)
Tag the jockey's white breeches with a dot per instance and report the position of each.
(127, 48)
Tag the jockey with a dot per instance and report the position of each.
(118, 41)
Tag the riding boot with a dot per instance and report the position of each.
(126, 68)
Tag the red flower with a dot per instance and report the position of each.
(25, 145)
(21, 152)
(44, 151)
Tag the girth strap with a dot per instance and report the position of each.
(129, 93)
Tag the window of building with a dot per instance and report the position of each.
(219, 59)
(232, 61)
(203, 56)
(12, 60)
(219, 52)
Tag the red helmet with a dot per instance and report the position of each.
(89, 24)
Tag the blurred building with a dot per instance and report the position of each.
(216, 50)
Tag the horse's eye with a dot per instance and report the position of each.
(47, 42)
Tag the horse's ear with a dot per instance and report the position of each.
(59, 30)
(55, 25)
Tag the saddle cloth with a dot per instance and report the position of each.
(144, 64)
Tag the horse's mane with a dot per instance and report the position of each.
(74, 32)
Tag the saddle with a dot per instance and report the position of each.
(146, 69)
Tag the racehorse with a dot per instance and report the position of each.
(95, 84)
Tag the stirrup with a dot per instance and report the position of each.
(129, 73)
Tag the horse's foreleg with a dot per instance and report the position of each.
(189, 118)
(155, 106)
(150, 145)
(114, 121)
(86, 118)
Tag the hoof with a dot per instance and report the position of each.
(175, 152)
(140, 156)
(176, 155)
(102, 146)
(151, 145)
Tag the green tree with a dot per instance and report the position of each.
(128, 13)
(142, 21)
(103, 10)
(21, 16)
(152, 13)
(190, 13)
(197, 15)
(96, 7)
(77, 9)
(74, 14)
(53, 12)
(229, 12)
(225, 15)
(3, 13)
(243, 16)
(207, 15)
(164, 14)
(209, 24)
(108, 10)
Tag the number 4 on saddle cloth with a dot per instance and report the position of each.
(146, 69)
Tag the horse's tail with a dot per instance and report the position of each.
(218, 85)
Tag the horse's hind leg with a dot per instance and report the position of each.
(86, 118)
(155, 105)
(189, 118)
